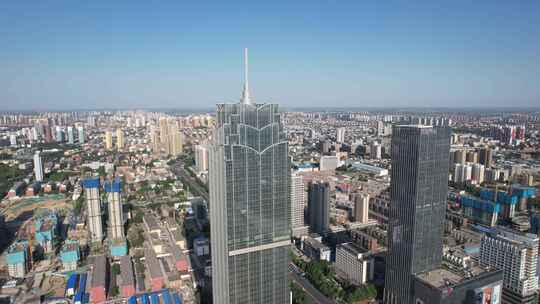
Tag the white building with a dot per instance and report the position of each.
(71, 135)
(462, 173)
(354, 264)
(81, 135)
(328, 163)
(517, 255)
(13, 140)
(38, 167)
(340, 136)
(478, 173)
(201, 158)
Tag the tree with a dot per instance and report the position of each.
(298, 294)
(115, 269)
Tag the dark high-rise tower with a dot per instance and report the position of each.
(318, 201)
(249, 204)
(419, 184)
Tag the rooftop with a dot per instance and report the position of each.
(99, 274)
(445, 276)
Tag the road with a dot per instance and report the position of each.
(316, 296)
(187, 178)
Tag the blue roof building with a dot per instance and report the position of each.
(18, 259)
(46, 230)
(70, 255)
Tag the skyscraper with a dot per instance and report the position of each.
(340, 135)
(93, 208)
(120, 139)
(114, 199)
(174, 141)
(38, 167)
(419, 184)
(318, 207)
(249, 199)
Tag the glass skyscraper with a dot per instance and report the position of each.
(249, 204)
(419, 185)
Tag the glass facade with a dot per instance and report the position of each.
(419, 185)
(249, 205)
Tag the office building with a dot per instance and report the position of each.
(249, 191)
(38, 167)
(517, 255)
(93, 208)
(419, 185)
(354, 264)
(318, 207)
(108, 140)
(81, 135)
(361, 207)
(113, 188)
(120, 141)
(298, 205)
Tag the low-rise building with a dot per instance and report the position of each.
(18, 259)
(315, 249)
(70, 255)
(127, 284)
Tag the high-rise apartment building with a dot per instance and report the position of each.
(318, 207)
(174, 145)
(485, 157)
(81, 134)
(201, 157)
(93, 208)
(517, 255)
(38, 167)
(113, 188)
(419, 185)
(376, 150)
(361, 207)
(249, 195)
(298, 205)
(108, 140)
(120, 141)
(340, 135)
(71, 135)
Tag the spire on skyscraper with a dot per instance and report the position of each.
(245, 94)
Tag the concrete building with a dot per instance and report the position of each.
(361, 207)
(298, 205)
(17, 259)
(462, 173)
(417, 210)
(249, 190)
(38, 167)
(108, 140)
(354, 264)
(113, 188)
(120, 140)
(93, 208)
(328, 163)
(485, 157)
(517, 255)
(318, 207)
(176, 145)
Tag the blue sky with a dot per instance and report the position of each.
(188, 54)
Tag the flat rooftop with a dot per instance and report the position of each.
(443, 276)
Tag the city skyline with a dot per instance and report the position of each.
(77, 56)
